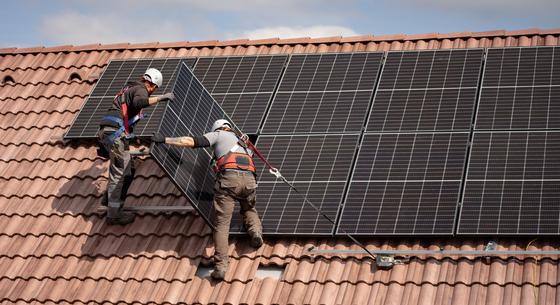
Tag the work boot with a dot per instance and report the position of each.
(218, 274)
(256, 239)
(123, 219)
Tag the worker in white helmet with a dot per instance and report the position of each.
(235, 182)
(115, 133)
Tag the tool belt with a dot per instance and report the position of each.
(235, 160)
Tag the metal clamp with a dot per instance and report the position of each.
(275, 172)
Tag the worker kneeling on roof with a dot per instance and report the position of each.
(235, 172)
(115, 134)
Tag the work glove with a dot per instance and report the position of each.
(166, 97)
(158, 138)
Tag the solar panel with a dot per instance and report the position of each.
(512, 184)
(192, 113)
(242, 85)
(519, 90)
(405, 183)
(427, 91)
(324, 93)
(116, 75)
(319, 166)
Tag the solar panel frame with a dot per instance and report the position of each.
(394, 81)
(512, 192)
(189, 169)
(319, 84)
(449, 204)
(321, 175)
(249, 92)
(493, 103)
(108, 86)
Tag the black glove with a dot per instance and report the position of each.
(158, 138)
(166, 97)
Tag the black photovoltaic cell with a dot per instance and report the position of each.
(324, 93)
(318, 165)
(305, 158)
(113, 79)
(405, 183)
(520, 89)
(192, 113)
(243, 86)
(423, 110)
(400, 207)
(427, 91)
(282, 211)
(512, 184)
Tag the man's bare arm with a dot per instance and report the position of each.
(180, 141)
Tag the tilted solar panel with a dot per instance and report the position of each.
(192, 113)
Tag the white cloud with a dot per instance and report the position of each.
(498, 8)
(291, 32)
(75, 28)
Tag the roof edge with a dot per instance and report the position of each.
(278, 41)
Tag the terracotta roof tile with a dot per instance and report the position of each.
(496, 33)
(533, 31)
(299, 40)
(57, 248)
(207, 43)
(88, 47)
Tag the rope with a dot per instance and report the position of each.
(275, 172)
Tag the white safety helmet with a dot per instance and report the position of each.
(153, 76)
(220, 124)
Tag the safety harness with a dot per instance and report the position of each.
(235, 160)
(124, 123)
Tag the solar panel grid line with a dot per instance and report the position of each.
(269, 99)
(115, 76)
(291, 93)
(424, 187)
(405, 180)
(400, 97)
(311, 161)
(154, 117)
(518, 89)
(308, 157)
(325, 88)
(89, 120)
(422, 190)
(243, 86)
(192, 113)
(511, 190)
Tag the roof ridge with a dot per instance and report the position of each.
(276, 41)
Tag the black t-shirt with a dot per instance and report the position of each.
(136, 98)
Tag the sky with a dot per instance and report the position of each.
(27, 23)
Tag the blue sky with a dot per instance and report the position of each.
(28, 23)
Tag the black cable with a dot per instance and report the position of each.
(318, 210)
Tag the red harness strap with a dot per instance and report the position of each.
(120, 97)
(235, 160)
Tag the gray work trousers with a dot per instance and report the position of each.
(121, 171)
(230, 187)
